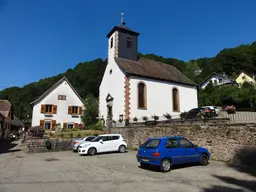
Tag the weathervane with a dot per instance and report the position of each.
(122, 18)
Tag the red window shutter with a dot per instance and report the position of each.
(64, 125)
(80, 110)
(42, 108)
(53, 123)
(69, 110)
(76, 125)
(42, 123)
(54, 111)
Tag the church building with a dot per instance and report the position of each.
(137, 88)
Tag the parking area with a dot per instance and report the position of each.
(67, 171)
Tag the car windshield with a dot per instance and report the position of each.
(151, 144)
(97, 139)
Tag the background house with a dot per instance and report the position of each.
(245, 77)
(60, 106)
(136, 87)
(217, 80)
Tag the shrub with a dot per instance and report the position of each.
(61, 135)
(36, 131)
(167, 116)
(184, 115)
(70, 135)
(79, 135)
(97, 126)
(231, 110)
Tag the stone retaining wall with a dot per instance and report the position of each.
(223, 140)
(38, 145)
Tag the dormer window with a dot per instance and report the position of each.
(128, 42)
(111, 42)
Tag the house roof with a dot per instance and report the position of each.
(54, 87)
(124, 29)
(153, 70)
(214, 73)
(249, 75)
(17, 122)
(5, 107)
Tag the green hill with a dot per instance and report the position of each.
(86, 76)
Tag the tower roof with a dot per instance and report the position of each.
(122, 28)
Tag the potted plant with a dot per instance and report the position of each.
(167, 116)
(155, 117)
(135, 119)
(145, 118)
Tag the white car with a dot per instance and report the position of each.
(103, 143)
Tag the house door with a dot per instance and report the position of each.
(109, 101)
(110, 112)
(47, 124)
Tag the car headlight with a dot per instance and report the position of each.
(86, 145)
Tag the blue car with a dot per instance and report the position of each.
(167, 151)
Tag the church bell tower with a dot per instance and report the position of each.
(122, 42)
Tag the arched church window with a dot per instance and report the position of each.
(142, 94)
(128, 42)
(175, 99)
(111, 42)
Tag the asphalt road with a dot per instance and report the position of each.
(69, 172)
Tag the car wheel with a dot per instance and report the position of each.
(92, 151)
(122, 149)
(204, 160)
(165, 165)
(144, 165)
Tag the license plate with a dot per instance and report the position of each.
(144, 159)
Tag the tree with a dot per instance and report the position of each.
(90, 113)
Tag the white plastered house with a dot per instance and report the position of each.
(59, 105)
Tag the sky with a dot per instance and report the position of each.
(42, 38)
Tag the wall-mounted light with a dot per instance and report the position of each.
(121, 118)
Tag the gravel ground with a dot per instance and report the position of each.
(67, 171)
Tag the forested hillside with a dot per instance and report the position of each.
(86, 76)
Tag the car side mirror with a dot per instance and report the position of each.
(195, 146)
(101, 141)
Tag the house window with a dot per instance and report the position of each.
(128, 42)
(48, 108)
(215, 82)
(62, 97)
(175, 99)
(70, 125)
(220, 80)
(74, 110)
(243, 77)
(47, 124)
(141, 95)
(111, 42)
